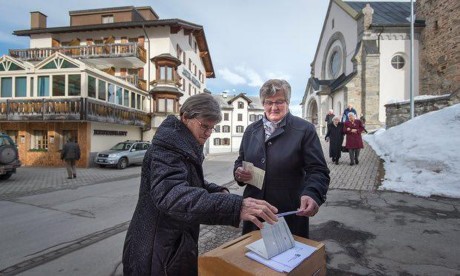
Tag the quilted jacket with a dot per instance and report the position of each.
(174, 199)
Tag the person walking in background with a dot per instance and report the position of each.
(329, 116)
(288, 149)
(174, 198)
(70, 154)
(346, 111)
(334, 136)
(353, 129)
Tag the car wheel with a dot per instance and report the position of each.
(6, 176)
(7, 154)
(122, 163)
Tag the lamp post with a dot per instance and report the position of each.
(412, 19)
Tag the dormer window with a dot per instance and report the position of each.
(107, 19)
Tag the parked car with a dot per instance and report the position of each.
(123, 154)
(9, 157)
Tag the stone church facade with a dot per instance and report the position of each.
(362, 59)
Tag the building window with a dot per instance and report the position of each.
(101, 90)
(190, 39)
(74, 85)
(190, 64)
(240, 105)
(333, 23)
(226, 129)
(335, 63)
(119, 96)
(133, 100)
(240, 117)
(226, 142)
(217, 128)
(111, 93)
(125, 97)
(14, 135)
(252, 117)
(195, 47)
(39, 139)
(179, 52)
(398, 62)
(239, 129)
(6, 87)
(217, 141)
(91, 87)
(138, 102)
(225, 116)
(59, 85)
(166, 73)
(43, 86)
(20, 87)
(107, 19)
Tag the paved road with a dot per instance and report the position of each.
(366, 231)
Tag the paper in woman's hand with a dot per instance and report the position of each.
(258, 175)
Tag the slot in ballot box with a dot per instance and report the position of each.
(230, 259)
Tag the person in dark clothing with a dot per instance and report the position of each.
(347, 111)
(288, 149)
(354, 142)
(71, 154)
(329, 116)
(174, 198)
(334, 136)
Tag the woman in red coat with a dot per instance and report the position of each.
(353, 129)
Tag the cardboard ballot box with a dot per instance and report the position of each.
(230, 259)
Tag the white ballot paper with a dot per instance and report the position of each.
(258, 175)
(277, 248)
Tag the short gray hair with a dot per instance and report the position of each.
(336, 118)
(271, 87)
(202, 106)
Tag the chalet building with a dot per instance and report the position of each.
(362, 58)
(113, 74)
(238, 111)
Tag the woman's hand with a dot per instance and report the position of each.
(308, 207)
(252, 209)
(242, 175)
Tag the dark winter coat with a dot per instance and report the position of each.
(354, 140)
(70, 151)
(335, 135)
(174, 199)
(329, 118)
(294, 165)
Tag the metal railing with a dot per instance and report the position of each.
(83, 51)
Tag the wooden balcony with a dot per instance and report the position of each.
(75, 109)
(129, 55)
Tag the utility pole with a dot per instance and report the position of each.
(412, 21)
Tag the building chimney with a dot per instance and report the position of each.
(224, 94)
(37, 20)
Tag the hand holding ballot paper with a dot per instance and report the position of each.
(256, 175)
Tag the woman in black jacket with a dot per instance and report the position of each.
(288, 149)
(334, 136)
(174, 199)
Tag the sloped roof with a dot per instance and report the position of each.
(225, 102)
(385, 13)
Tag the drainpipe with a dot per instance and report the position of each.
(148, 68)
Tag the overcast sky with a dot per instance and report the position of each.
(249, 41)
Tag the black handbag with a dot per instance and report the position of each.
(344, 149)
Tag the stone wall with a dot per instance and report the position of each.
(398, 113)
(439, 47)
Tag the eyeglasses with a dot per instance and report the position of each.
(204, 127)
(276, 103)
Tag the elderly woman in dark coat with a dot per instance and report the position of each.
(288, 149)
(353, 129)
(174, 199)
(334, 136)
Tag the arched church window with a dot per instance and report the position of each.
(335, 63)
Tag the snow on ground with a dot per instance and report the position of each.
(422, 155)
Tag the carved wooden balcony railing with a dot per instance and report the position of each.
(83, 51)
(82, 109)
